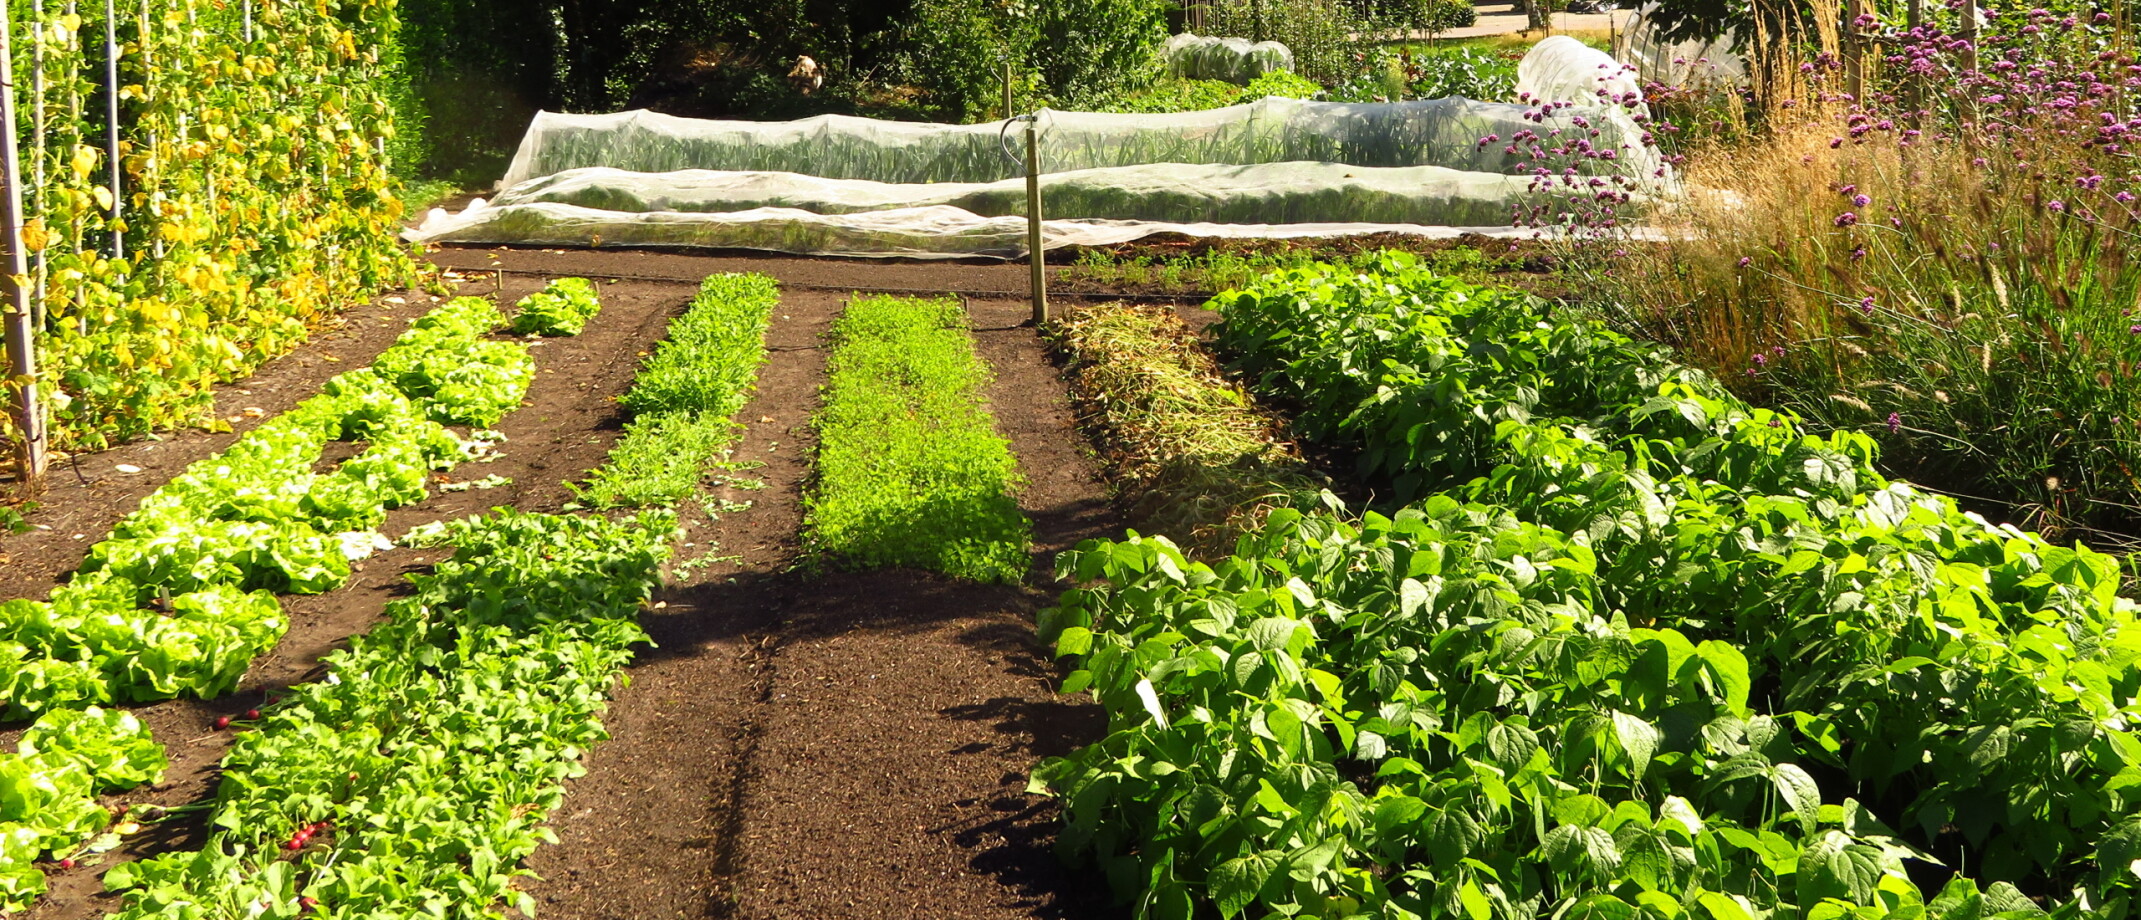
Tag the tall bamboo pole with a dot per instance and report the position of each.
(111, 126)
(27, 409)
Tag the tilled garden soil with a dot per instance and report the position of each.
(799, 745)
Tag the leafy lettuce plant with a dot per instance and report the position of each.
(417, 777)
(180, 599)
(49, 789)
(562, 307)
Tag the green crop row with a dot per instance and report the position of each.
(682, 401)
(910, 468)
(48, 792)
(1629, 676)
(415, 779)
(1977, 677)
(562, 307)
(180, 599)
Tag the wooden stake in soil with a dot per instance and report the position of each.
(1033, 220)
(21, 349)
(1007, 87)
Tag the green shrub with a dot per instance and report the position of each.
(911, 471)
(1436, 73)
(1069, 53)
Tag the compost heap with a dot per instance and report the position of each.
(839, 185)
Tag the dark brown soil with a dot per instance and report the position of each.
(844, 746)
(851, 745)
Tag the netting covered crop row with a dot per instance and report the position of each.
(1268, 193)
(1235, 60)
(1276, 167)
(919, 233)
(1432, 132)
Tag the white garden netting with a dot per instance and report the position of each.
(1268, 193)
(838, 185)
(1689, 64)
(914, 233)
(1434, 132)
(1562, 69)
(1234, 60)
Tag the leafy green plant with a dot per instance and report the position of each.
(418, 776)
(910, 468)
(684, 397)
(727, 319)
(180, 599)
(562, 307)
(1899, 634)
(48, 791)
(1437, 73)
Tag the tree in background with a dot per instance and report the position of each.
(481, 68)
(1063, 52)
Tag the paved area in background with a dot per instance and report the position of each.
(1507, 18)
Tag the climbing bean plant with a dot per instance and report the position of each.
(254, 195)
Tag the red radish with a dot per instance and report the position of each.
(294, 845)
(308, 903)
(222, 722)
(66, 864)
(252, 713)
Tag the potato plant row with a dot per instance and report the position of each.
(910, 468)
(1643, 650)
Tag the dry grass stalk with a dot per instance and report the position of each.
(1194, 457)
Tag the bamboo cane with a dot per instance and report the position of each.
(21, 346)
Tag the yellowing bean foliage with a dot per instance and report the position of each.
(256, 199)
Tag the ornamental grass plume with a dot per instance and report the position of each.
(1990, 213)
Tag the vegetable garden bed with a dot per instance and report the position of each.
(858, 743)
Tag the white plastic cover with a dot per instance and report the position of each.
(1562, 69)
(1694, 65)
(837, 185)
(1435, 132)
(1235, 60)
(938, 232)
(1268, 193)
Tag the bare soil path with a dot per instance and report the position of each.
(845, 744)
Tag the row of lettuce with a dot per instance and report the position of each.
(181, 598)
(418, 774)
(1630, 647)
